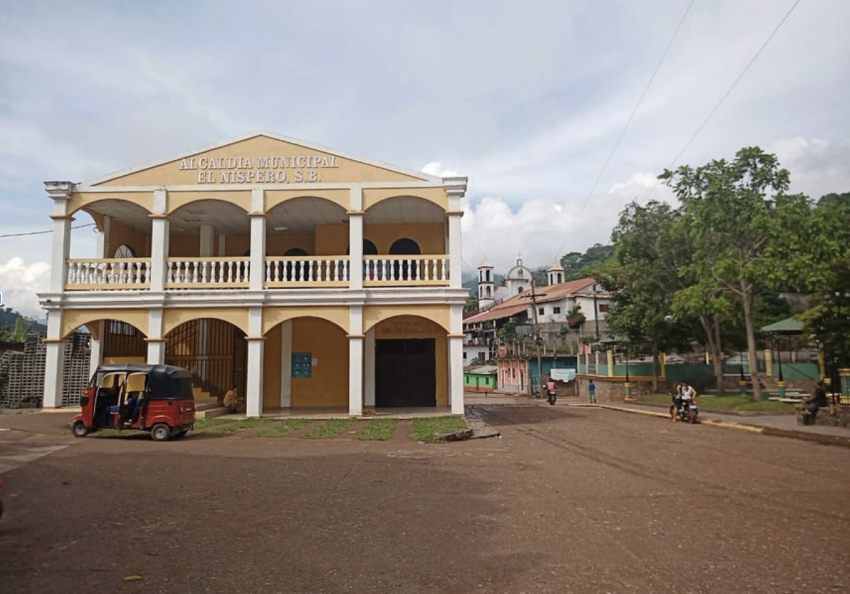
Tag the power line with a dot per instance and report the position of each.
(632, 115)
(41, 232)
(727, 93)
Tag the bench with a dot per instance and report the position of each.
(837, 415)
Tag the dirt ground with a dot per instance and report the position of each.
(568, 500)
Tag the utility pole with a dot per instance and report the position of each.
(538, 340)
(595, 310)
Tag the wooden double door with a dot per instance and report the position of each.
(405, 372)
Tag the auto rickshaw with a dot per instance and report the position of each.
(155, 398)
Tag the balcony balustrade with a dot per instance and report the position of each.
(108, 273)
(208, 273)
(405, 270)
(307, 271)
(279, 272)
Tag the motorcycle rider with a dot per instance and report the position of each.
(677, 400)
(550, 390)
(685, 395)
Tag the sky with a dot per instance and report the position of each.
(560, 112)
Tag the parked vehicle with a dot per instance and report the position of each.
(154, 398)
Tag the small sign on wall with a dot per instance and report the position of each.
(302, 365)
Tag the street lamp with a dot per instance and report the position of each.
(742, 381)
(628, 388)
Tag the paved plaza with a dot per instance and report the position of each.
(568, 499)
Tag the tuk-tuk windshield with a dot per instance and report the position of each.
(107, 380)
(158, 382)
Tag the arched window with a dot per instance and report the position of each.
(401, 270)
(291, 270)
(125, 251)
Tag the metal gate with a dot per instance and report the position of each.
(214, 351)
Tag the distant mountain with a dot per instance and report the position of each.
(9, 318)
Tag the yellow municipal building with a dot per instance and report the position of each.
(305, 277)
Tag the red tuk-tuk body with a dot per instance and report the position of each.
(155, 398)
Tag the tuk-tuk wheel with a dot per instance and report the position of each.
(161, 432)
(79, 429)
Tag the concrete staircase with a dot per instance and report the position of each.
(206, 406)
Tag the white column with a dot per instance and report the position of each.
(207, 244)
(369, 358)
(286, 364)
(258, 239)
(355, 361)
(156, 342)
(455, 353)
(96, 347)
(355, 239)
(160, 230)
(255, 338)
(61, 251)
(54, 368)
(103, 246)
(206, 249)
(455, 255)
(60, 193)
(455, 189)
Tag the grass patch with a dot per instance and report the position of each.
(252, 422)
(431, 428)
(378, 430)
(330, 429)
(736, 403)
(281, 428)
(221, 427)
(201, 424)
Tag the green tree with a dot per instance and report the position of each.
(577, 265)
(825, 276)
(744, 229)
(643, 278)
(508, 329)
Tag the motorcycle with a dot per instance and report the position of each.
(686, 411)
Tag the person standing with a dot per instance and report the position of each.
(591, 390)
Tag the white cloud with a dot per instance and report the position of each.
(436, 168)
(19, 283)
(527, 99)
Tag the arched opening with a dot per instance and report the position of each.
(405, 269)
(411, 368)
(213, 350)
(311, 371)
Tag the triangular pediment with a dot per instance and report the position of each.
(260, 158)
